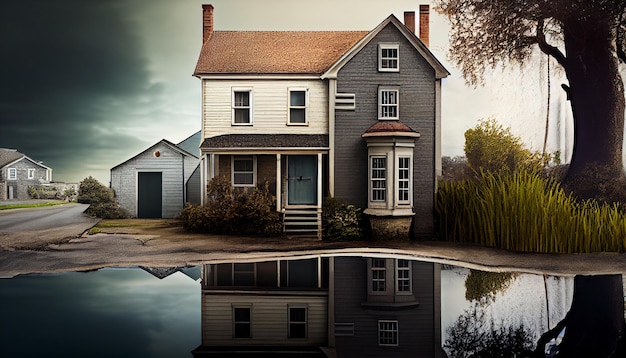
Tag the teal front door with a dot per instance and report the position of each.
(302, 180)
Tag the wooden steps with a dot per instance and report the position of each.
(302, 222)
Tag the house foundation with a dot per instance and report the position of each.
(390, 228)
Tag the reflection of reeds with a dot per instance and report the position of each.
(526, 212)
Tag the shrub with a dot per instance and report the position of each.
(482, 286)
(101, 200)
(526, 212)
(341, 221)
(234, 212)
(472, 336)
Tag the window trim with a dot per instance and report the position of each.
(234, 321)
(234, 107)
(378, 279)
(393, 330)
(12, 174)
(409, 278)
(305, 323)
(31, 173)
(384, 180)
(381, 59)
(232, 170)
(305, 107)
(408, 180)
(396, 105)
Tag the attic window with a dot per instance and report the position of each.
(388, 57)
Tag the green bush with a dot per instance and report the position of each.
(234, 212)
(101, 200)
(524, 211)
(341, 221)
(482, 286)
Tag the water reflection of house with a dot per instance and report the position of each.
(335, 306)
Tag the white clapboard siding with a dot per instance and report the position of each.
(269, 319)
(270, 106)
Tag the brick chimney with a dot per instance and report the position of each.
(409, 20)
(207, 21)
(424, 24)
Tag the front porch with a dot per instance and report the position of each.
(297, 180)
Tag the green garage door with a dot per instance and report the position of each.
(149, 195)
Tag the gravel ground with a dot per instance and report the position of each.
(166, 243)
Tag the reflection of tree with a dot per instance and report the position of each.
(482, 286)
(472, 337)
(594, 325)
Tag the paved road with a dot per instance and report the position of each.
(37, 227)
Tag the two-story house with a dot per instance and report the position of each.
(342, 306)
(18, 172)
(350, 114)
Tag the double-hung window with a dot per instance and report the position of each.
(388, 57)
(244, 170)
(404, 180)
(379, 179)
(388, 103)
(403, 275)
(297, 322)
(12, 173)
(297, 106)
(242, 322)
(379, 273)
(387, 333)
(242, 107)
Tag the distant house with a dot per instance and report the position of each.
(18, 172)
(352, 306)
(158, 182)
(350, 114)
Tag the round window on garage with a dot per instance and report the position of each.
(157, 153)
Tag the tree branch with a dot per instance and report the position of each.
(546, 48)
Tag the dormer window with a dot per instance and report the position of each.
(388, 103)
(388, 57)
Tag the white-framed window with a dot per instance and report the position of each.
(379, 275)
(243, 170)
(242, 321)
(242, 106)
(297, 321)
(387, 333)
(388, 57)
(403, 276)
(31, 173)
(404, 180)
(388, 103)
(12, 173)
(297, 106)
(378, 178)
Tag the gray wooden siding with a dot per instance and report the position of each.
(170, 163)
(193, 187)
(269, 319)
(416, 326)
(417, 110)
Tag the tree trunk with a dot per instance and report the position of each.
(597, 98)
(594, 325)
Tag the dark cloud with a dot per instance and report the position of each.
(70, 73)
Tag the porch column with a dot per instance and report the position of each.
(319, 180)
(278, 184)
(203, 176)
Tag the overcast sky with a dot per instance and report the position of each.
(86, 85)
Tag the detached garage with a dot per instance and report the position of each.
(157, 182)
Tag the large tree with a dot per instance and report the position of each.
(585, 37)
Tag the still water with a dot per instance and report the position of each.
(352, 306)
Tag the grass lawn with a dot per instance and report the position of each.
(32, 205)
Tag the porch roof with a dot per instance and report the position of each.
(252, 141)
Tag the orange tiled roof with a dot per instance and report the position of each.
(274, 52)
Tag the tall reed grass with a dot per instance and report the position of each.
(523, 211)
